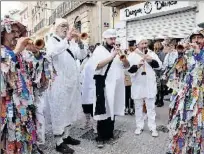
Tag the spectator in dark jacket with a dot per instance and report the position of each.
(158, 49)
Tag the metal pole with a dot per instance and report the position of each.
(100, 22)
(113, 17)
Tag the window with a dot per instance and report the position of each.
(78, 26)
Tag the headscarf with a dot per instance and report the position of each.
(7, 22)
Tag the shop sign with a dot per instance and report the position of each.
(151, 8)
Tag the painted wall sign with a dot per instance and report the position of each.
(153, 8)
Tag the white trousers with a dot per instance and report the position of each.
(151, 114)
(59, 138)
(40, 120)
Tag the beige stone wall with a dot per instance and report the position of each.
(90, 19)
(89, 15)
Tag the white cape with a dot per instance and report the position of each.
(115, 87)
(88, 83)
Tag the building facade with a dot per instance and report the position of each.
(90, 17)
(155, 19)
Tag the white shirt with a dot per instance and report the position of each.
(143, 86)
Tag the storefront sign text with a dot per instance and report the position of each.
(161, 4)
(132, 12)
(149, 8)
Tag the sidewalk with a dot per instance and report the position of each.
(126, 143)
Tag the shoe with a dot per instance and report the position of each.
(160, 104)
(63, 148)
(154, 133)
(138, 131)
(100, 144)
(71, 141)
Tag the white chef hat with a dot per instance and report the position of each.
(57, 22)
(139, 39)
(109, 33)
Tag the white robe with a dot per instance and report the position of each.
(143, 86)
(88, 83)
(65, 94)
(115, 86)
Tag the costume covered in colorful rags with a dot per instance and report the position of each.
(23, 78)
(186, 122)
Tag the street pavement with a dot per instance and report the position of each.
(126, 141)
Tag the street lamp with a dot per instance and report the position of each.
(114, 14)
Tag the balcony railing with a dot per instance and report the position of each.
(41, 24)
(65, 8)
(113, 3)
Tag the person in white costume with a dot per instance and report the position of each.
(88, 91)
(110, 87)
(144, 87)
(65, 94)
